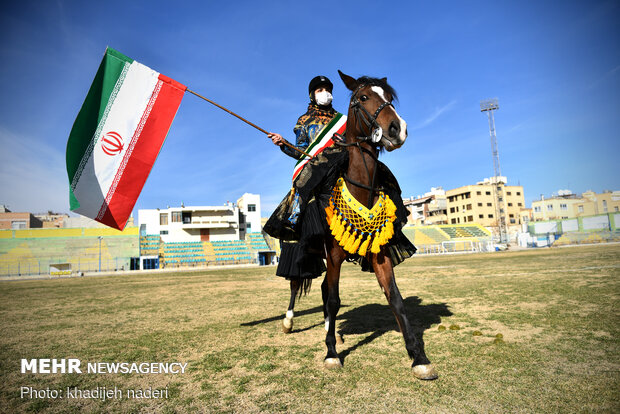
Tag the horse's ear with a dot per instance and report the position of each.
(349, 82)
(384, 80)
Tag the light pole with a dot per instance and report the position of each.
(100, 238)
(489, 106)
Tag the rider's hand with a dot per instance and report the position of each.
(276, 138)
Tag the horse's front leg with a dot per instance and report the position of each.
(287, 322)
(382, 265)
(335, 257)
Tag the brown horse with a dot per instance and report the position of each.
(372, 124)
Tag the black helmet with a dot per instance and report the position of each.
(320, 81)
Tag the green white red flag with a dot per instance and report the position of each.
(117, 136)
(322, 141)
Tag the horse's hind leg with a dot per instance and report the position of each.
(331, 302)
(287, 322)
(422, 368)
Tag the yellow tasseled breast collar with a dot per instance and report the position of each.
(351, 222)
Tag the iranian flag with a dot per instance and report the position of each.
(117, 136)
(323, 140)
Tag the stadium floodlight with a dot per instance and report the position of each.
(489, 105)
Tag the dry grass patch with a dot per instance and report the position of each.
(555, 308)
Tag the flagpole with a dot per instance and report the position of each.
(288, 144)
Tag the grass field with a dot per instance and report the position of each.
(557, 310)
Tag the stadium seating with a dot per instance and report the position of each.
(219, 252)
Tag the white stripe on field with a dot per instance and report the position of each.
(124, 117)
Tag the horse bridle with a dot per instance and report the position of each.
(362, 115)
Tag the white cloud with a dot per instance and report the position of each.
(33, 175)
(436, 114)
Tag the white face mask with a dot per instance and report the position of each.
(323, 98)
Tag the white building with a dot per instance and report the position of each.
(203, 223)
(249, 219)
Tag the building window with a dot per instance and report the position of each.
(518, 193)
(549, 207)
(478, 192)
(479, 204)
(176, 217)
(490, 215)
(511, 215)
(251, 207)
(248, 227)
(563, 207)
(488, 193)
(512, 221)
(452, 221)
(18, 225)
(489, 205)
(163, 219)
(520, 204)
(451, 209)
(580, 208)
(605, 206)
(537, 209)
(616, 208)
(467, 195)
(469, 207)
(163, 232)
(509, 204)
(470, 218)
(508, 193)
(187, 217)
(480, 215)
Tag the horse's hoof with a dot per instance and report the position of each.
(287, 325)
(425, 372)
(332, 363)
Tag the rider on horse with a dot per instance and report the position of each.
(346, 205)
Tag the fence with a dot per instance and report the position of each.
(208, 263)
(42, 266)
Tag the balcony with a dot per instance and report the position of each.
(211, 223)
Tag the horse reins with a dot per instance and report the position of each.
(369, 121)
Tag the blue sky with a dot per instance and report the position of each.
(554, 66)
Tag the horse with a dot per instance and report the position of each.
(372, 125)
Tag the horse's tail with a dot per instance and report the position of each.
(304, 289)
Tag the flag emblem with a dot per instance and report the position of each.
(112, 143)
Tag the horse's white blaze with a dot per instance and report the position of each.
(379, 91)
(289, 314)
(403, 125)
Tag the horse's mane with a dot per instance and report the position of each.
(367, 80)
